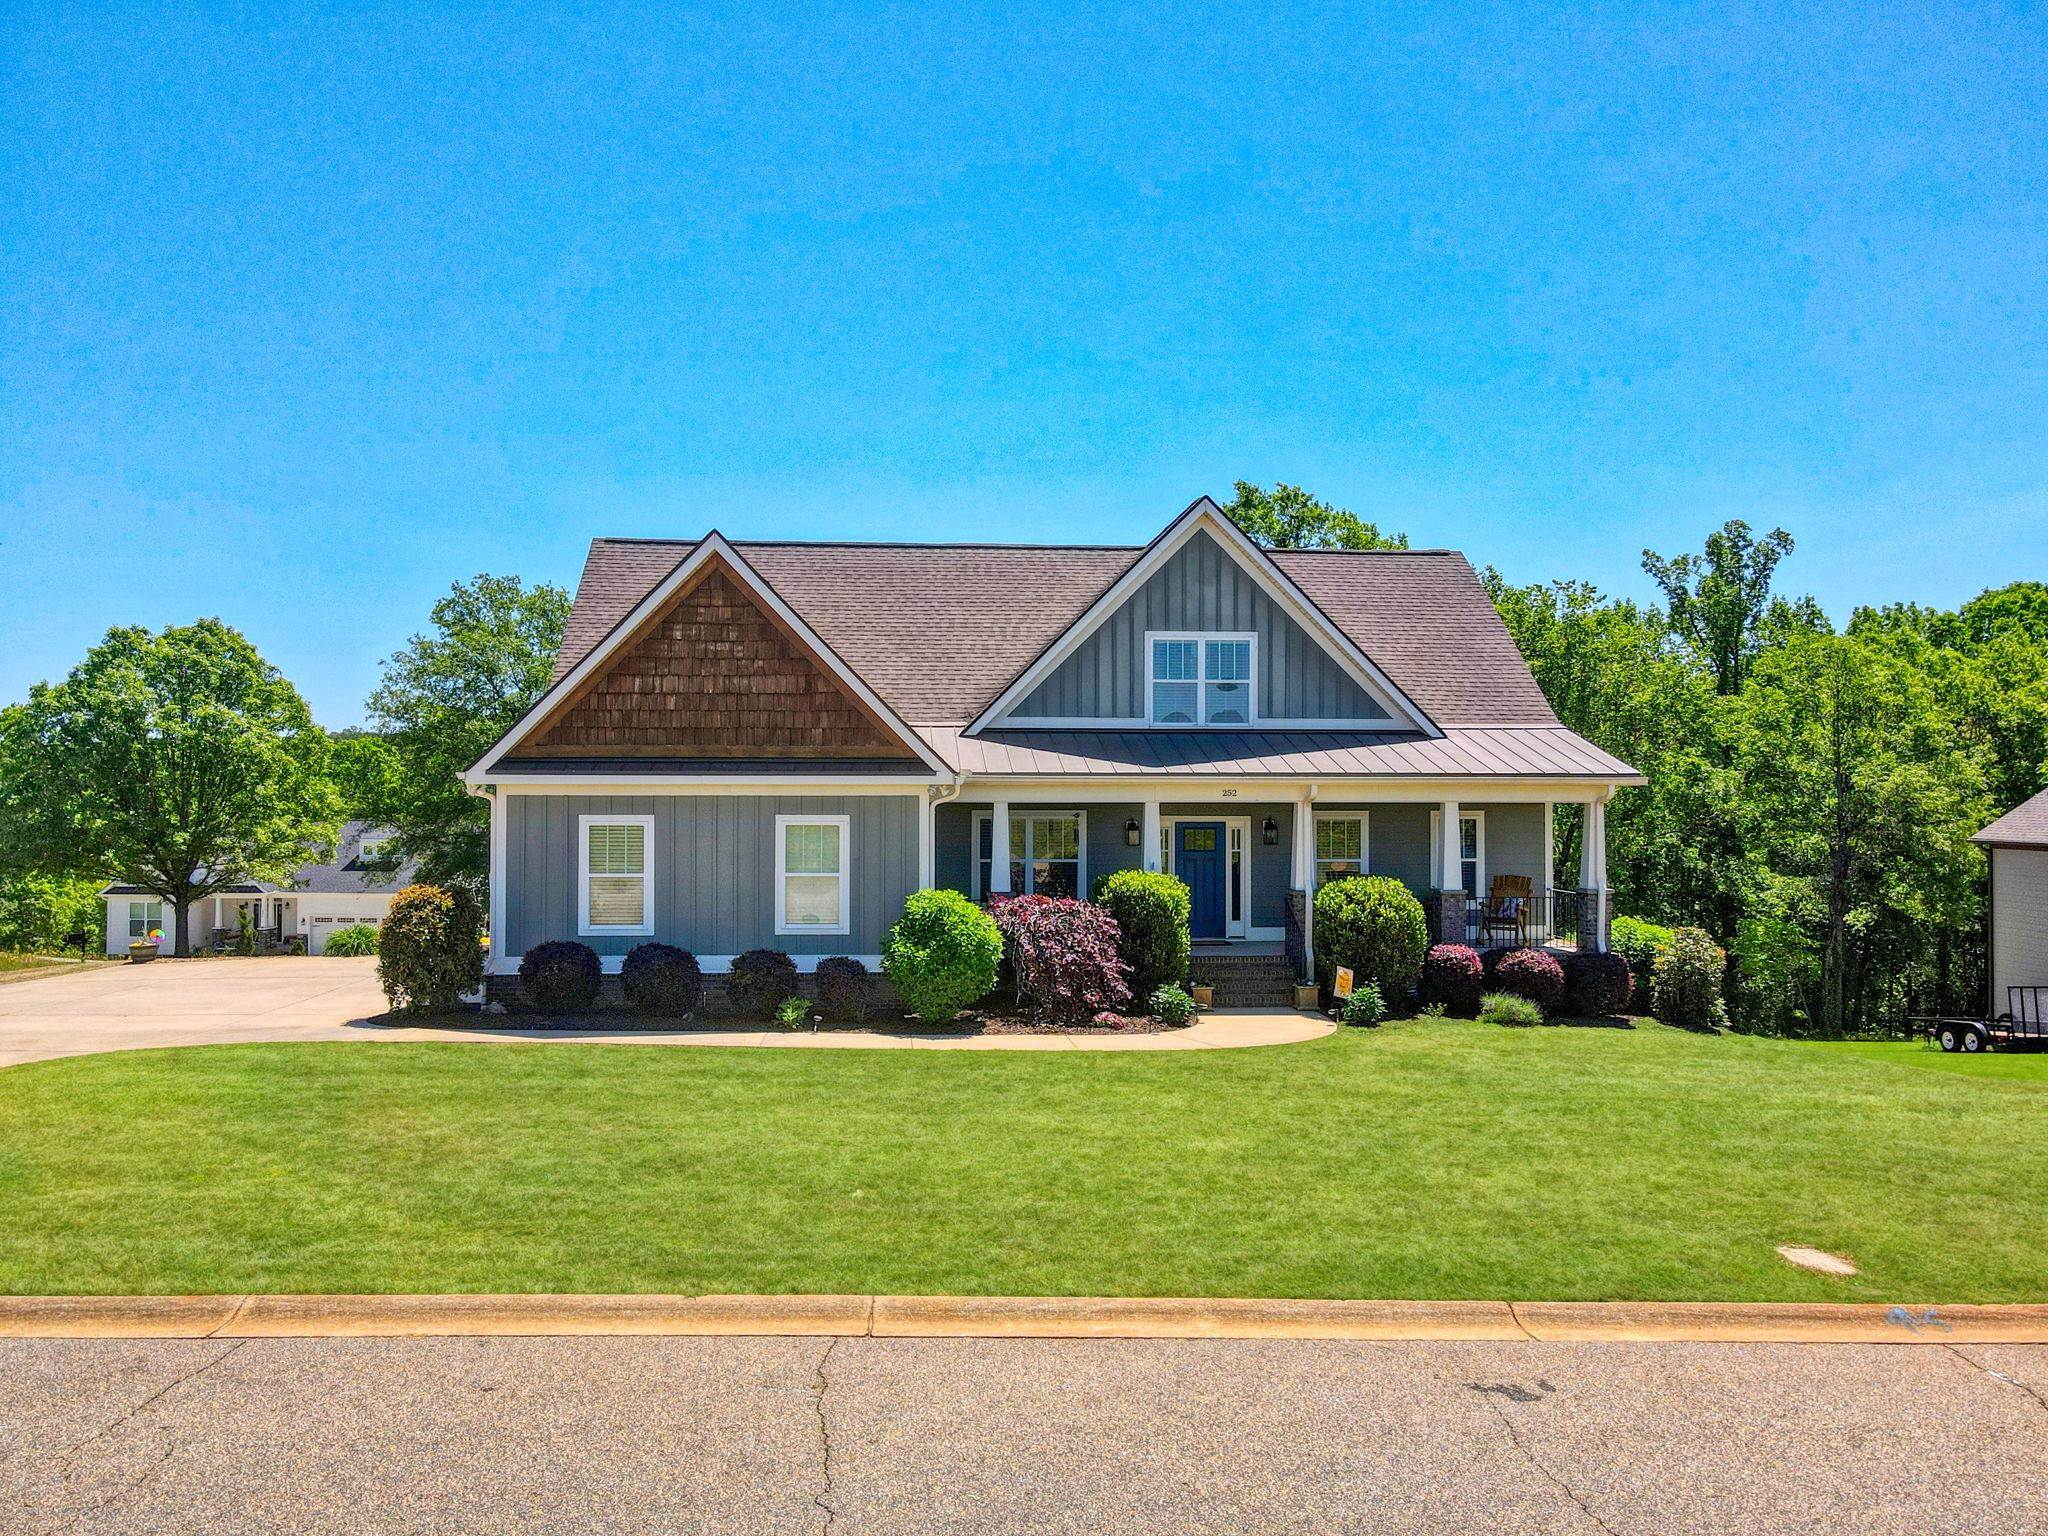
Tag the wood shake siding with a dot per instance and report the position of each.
(716, 676)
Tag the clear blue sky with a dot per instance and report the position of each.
(303, 318)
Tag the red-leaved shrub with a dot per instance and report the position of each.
(1453, 979)
(1061, 956)
(1530, 973)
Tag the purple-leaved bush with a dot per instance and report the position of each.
(1061, 955)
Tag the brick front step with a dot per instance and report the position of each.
(1247, 981)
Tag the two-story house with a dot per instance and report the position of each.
(773, 744)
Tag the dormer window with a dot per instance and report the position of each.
(1200, 679)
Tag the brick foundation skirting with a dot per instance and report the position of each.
(714, 1003)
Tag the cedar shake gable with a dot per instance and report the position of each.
(714, 675)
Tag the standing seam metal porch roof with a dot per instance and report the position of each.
(1482, 752)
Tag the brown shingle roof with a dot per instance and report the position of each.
(939, 630)
(2024, 826)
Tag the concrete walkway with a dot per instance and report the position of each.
(229, 1001)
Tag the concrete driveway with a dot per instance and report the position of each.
(186, 1002)
(230, 1002)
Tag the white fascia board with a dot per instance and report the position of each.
(1203, 514)
(712, 546)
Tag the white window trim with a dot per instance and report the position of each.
(1023, 855)
(144, 902)
(1201, 678)
(1364, 820)
(584, 926)
(1436, 855)
(845, 825)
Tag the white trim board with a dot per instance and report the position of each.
(1203, 515)
(713, 546)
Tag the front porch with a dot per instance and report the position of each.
(1251, 857)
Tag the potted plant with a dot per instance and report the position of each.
(145, 948)
(1204, 993)
(1306, 997)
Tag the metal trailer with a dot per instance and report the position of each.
(2022, 1027)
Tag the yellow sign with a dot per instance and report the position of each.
(1343, 986)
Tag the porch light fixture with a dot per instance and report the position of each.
(1269, 830)
(1132, 832)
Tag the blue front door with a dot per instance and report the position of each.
(1198, 860)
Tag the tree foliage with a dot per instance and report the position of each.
(1810, 795)
(179, 762)
(442, 702)
(1287, 517)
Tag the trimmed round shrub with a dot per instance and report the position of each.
(1063, 956)
(1374, 926)
(356, 939)
(1170, 1005)
(761, 981)
(842, 990)
(561, 976)
(429, 948)
(1530, 973)
(941, 954)
(1595, 985)
(1510, 1009)
(1151, 912)
(1452, 979)
(1688, 984)
(661, 980)
(1639, 943)
(1364, 1008)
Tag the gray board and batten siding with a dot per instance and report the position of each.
(1201, 589)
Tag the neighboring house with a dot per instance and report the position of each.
(773, 744)
(319, 899)
(2017, 844)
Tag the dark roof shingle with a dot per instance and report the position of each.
(899, 614)
(2024, 826)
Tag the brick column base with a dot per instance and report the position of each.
(1592, 922)
(1446, 911)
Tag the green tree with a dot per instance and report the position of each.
(38, 911)
(179, 762)
(366, 769)
(1859, 801)
(442, 702)
(1615, 675)
(1287, 517)
(1719, 601)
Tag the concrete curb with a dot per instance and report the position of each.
(1014, 1317)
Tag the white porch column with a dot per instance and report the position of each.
(499, 874)
(1450, 848)
(1546, 909)
(927, 812)
(1304, 852)
(1150, 834)
(999, 849)
(1593, 872)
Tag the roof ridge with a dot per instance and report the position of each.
(1119, 549)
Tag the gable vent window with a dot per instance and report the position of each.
(1200, 679)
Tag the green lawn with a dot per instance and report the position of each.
(14, 963)
(2010, 1066)
(1427, 1159)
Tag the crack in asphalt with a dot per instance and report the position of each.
(1997, 1375)
(1500, 1411)
(161, 1392)
(820, 1385)
(65, 1456)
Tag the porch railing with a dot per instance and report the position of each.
(1550, 918)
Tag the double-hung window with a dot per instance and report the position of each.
(145, 918)
(810, 874)
(616, 894)
(1045, 854)
(1340, 847)
(1200, 679)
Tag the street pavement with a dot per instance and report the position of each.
(850, 1435)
